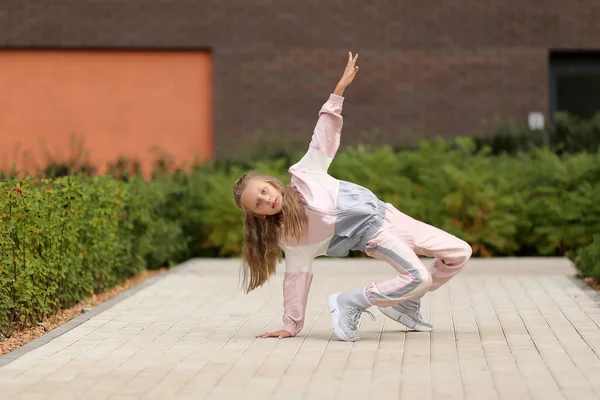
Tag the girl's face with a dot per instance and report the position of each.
(262, 198)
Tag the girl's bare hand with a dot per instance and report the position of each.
(278, 334)
(349, 74)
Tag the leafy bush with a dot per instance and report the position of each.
(568, 134)
(512, 139)
(587, 259)
(572, 134)
(64, 239)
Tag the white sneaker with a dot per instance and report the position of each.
(408, 314)
(345, 315)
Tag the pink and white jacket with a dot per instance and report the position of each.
(342, 216)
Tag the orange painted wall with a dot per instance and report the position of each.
(119, 103)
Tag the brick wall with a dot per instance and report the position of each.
(426, 68)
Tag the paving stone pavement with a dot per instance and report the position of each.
(503, 329)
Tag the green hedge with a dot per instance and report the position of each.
(568, 134)
(65, 238)
(587, 259)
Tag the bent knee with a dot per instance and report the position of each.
(466, 251)
(461, 253)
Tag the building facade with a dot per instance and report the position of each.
(427, 68)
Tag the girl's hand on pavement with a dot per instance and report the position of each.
(278, 334)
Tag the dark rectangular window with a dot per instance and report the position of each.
(575, 83)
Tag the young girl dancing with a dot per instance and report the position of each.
(317, 214)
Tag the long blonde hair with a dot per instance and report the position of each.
(262, 234)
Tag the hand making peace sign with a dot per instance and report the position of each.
(348, 76)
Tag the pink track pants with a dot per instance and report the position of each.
(399, 242)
